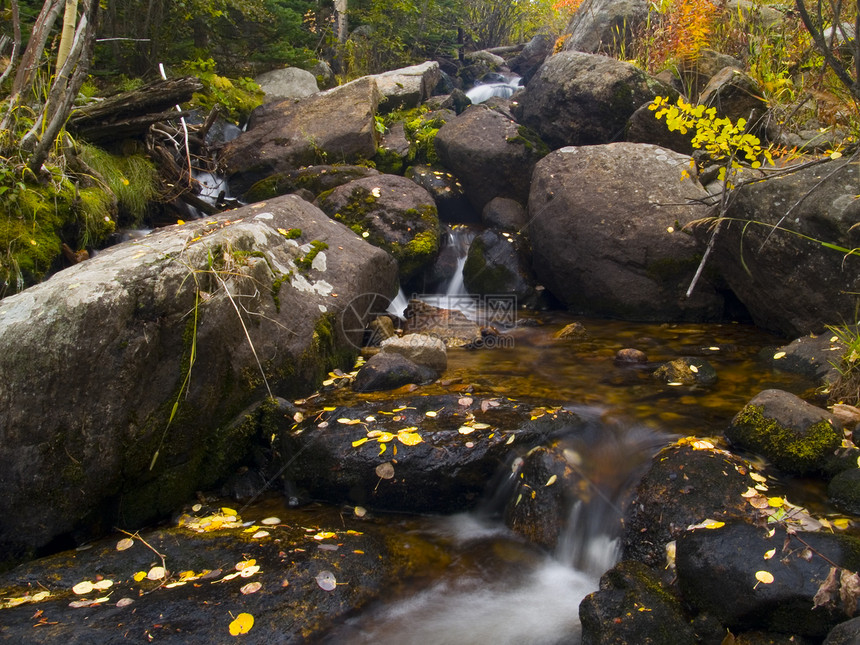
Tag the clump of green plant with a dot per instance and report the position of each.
(237, 97)
(133, 179)
(305, 263)
(846, 388)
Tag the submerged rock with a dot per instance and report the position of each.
(687, 371)
(421, 349)
(389, 371)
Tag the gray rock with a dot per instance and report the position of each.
(505, 214)
(696, 71)
(421, 349)
(643, 127)
(794, 435)
(790, 284)
(315, 179)
(388, 371)
(289, 83)
(605, 26)
(407, 87)
(812, 356)
(285, 135)
(600, 233)
(447, 191)
(687, 371)
(497, 264)
(846, 633)
(98, 379)
(395, 213)
(735, 95)
(844, 490)
(584, 99)
(528, 61)
(490, 154)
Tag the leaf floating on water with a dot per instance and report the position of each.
(83, 587)
(242, 624)
(385, 470)
(260, 534)
(157, 573)
(229, 511)
(759, 478)
(325, 535)
(251, 587)
(349, 422)
(245, 563)
(465, 429)
(326, 581)
(271, 521)
(125, 543)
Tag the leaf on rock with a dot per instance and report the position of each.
(849, 592)
(125, 543)
(242, 624)
(826, 594)
(83, 587)
(326, 581)
(358, 442)
(157, 573)
(764, 577)
(271, 521)
(409, 438)
(385, 470)
(251, 587)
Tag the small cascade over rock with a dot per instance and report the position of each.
(494, 85)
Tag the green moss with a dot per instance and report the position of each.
(132, 179)
(531, 140)
(304, 263)
(789, 449)
(483, 277)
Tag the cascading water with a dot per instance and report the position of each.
(510, 600)
(488, 88)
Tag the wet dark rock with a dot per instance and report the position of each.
(504, 214)
(390, 212)
(790, 284)
(573, 331)
(456, 101)
(687, 371)
(491, 155)
(643, 127)
(449, 325)
(847, 633)
(393, 150)
(630, 356)
(794, 435)
(844, 490)
(389, 371)
(812, 356)
(578, 99)
(717, 574)
(285, 135)
(380, 328)
(605, 243)
(407, 87)
(448, 471)
(315, 179)
(96, 359)
(496, 264)
(634, 606)
(447, 192)
(683, 487)
(290, 607)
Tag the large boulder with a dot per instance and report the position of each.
(127, 378)
(285, 135)
(796, 436)
(391, 212)
(605, 26)
(603, 222)
(289, 83)
(497, 264)
(584, 99)
(490, 154)
(787, 279)
(313, 179)
(533, 55)
(407, 87)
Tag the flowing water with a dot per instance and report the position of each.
(503, 88)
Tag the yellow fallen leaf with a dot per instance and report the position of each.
(140, 575)
(430, 413)
(779, 355)
(83, 587)
(157, 573)
(775, 502)
(841, 523)
(358, 442)
(325, 535)
(769, 554)
(409, 438)
(465, 430)
(245, 563)
(551, 480)
(125, 543)
(348, 422)
(101, 585)
(765, 577)
(229, 511)
(759, 478)
(384, 437)
(242, 624)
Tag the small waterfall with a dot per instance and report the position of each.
(459, 239)
(535, 602)
(504, 88)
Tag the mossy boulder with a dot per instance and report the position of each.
(497, 264)
(315, 179)
(390, 212)
(796, 436)
(128, 378)
(844, 490)
(687, 371)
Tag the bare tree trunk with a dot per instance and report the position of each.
(340, 8)
(36, 47)
(70, 19)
